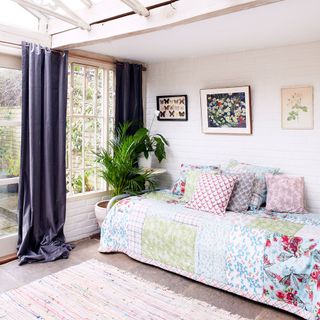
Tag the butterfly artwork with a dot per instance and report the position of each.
(172, 108)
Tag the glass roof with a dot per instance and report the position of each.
(12, 14)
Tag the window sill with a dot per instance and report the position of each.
(88, 195)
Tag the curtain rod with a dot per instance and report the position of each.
(19, 45)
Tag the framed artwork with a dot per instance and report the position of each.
(172, 108)
(226, 110)
(297, 108)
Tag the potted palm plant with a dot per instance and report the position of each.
(119, 163)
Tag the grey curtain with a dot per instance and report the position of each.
(129, 105)
(42, 187)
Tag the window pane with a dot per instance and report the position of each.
(76, 141)
(8, 209)
(100, 92)
(9, 152)
(99, 135)
(90, 91)
(90, 142)
(110, 93)
(77, 182)
(78, 89)
(89, 177)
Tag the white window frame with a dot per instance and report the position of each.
(107, 66)
(8, 243)
(10, 62)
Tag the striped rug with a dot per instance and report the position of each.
(94, 290)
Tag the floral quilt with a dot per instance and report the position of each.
(270, 258)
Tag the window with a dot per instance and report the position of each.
(10, 130)
(90, 122)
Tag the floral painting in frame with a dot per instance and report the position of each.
(297, 107)
(226, 110)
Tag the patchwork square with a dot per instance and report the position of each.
(212, 194)
(212, 242)
(170, 243)
(285, 194)
(244, 259)
(278, 226)
(292, 272)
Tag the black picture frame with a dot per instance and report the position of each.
(172, 107)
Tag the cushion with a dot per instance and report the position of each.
(285, 193)
(259, 190)
(179, 186)
(192, 180)
(213, 193)
(242, 192)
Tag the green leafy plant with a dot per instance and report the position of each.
(119, 162)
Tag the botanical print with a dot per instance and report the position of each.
(172, 108)
(297, 108)
(226, 110)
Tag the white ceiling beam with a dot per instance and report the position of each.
(84, 25)
(88, 3)
(165, 17)
(100, 11)
(17, 35)
(31, 5)
(137, 7)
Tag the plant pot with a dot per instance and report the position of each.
(145, 163)
(100, 210)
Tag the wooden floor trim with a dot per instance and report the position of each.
(8, 258)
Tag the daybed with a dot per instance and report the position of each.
(271, 258)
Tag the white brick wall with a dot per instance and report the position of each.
(80, 217)
(296, 152)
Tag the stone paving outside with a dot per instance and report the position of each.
(8, 213)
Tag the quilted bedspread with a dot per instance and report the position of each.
(270, 258)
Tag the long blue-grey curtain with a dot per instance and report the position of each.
(42, 186)
(129, 102)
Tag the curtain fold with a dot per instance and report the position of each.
(129, 103)
(42, 186)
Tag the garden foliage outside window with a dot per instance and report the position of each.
(90, 122)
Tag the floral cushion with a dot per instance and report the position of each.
(259, 190)
(213, 193)
(285, 193)
(179, 186)
(242, 192)
(192, 180)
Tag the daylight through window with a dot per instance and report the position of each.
(89, 124)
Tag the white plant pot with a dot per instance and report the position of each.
(145, 163)
(100, 210)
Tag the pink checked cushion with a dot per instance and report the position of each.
(213, 193)
(285, 193)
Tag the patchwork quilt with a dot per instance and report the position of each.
(270, 258)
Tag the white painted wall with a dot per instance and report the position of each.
(296, 152)
(80, 218)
